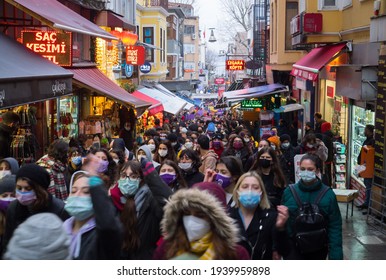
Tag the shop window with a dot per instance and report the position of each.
(148, 38)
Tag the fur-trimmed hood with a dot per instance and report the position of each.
(184, 199)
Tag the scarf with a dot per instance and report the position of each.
(119, 200)
(203, 247)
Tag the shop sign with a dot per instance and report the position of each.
(58, 87)
(135, 55)
(246, 104)
(235, 64)
(55, 46)
(145, 68)
(312, 23)
(219, 81)
(129, 70)
(330, 91)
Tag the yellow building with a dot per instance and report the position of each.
(151, 29)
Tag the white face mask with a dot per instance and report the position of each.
(151, 147)
(116, 160)
(140, 157)
(189, 145)
(185, 165)
(246, 140)
(4, 173)
(195, 228)
(163, 153)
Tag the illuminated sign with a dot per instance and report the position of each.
(55, 46)
(235, 65)
(145, 68)
(251, 104)
(135, 55)
(219, 81)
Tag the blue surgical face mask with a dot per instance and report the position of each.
(307, 176)
(128, 187)
(249, 199)
(80, 207)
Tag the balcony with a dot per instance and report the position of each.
(155, 3)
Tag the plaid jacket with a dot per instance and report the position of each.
(56, 170)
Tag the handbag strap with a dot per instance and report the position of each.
(295, 195)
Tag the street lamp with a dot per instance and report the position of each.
(212, 39)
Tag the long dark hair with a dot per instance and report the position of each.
(171, 154)
(180, 182)
(278, 178)
(110, 176)
(59, 151)
(234, 165)
(131, 238)
(193, 155)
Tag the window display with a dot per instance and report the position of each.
(361, 118)
(68, 108)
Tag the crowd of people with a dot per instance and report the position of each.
(187, 190)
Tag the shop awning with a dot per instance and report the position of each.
(254, 92)
(164, 89)
(108, 18)
(171, 104)
(289, 108)
(308, 66)
(26, 77)
(96, 81)
(156, 106)
(58, 16)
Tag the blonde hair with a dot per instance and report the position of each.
(264, 202)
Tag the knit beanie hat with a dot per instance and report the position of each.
(326, 126)
(285, 137)
(214, 189)
(35, 173)
(8, 184)
(40, 237)
(275, 140)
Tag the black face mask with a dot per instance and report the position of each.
(265, 163)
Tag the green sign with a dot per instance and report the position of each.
(251, 104)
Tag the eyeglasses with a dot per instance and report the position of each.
(132, 177)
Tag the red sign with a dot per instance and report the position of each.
(219, 81)
(135, 55)
(55, 46)
(312, 23)
(330, 92)
(235, 65)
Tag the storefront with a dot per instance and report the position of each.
(29, 84)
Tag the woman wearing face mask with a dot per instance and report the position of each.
(108, 169)
(189, 163)
(118, 157)
(195, 226)
(308, 188)
(7, 195)
(252, 159)
(74, 164)
(8, 166)
(144, 151)
(269, 169)
(153, 145)
(172, 175)
(216, 144)
(228, 171)
(189, 144)
(139, 198)
(95, 231)
(287, 158)
(238, 149)
(165, 151)
(32, 196)
(262, 227)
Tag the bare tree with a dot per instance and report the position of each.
(236, 19)
(211, 58)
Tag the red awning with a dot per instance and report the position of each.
(95, 80)
(308, 66)
(108, 18)
(58, 16)
(153, 109)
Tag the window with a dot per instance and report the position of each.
(189, 29)
(190, 66)
(189, 48)
(148, 38)
(327, 5)
(291, 11)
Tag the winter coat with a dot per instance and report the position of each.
(5, 140)
(329, 208)
(149, 200)
(222, 225)
(192, 177)
(261, 237)
(18, 213)
(287, 163)
(101, 238)
(209, 161)
(243, 155)
(57, 170)
(149, 156)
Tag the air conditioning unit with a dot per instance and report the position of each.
(193, 36)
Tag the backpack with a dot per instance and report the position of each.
(310, 225)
